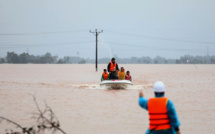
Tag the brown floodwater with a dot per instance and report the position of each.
(83, 107)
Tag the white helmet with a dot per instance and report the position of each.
(159, 87)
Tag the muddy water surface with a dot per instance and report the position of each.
(83, 107)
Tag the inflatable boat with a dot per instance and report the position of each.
(116, 84)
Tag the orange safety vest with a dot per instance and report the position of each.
(105, 76)
(128, 77)
(112, 66)
(158, 118)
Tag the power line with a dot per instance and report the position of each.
(39, 33)
(121, 44)
(140, 48)
(45, 44)
(160, 38)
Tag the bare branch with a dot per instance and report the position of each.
(46, 120)
(12, 122)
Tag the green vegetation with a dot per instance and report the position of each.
(50, 59)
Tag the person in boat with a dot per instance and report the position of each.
(105, 75)
(162, 114)
(121, 74)
(116, 77)
(112, 67)
(128, 76)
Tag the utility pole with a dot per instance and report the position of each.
(207, 61)
(96, 33)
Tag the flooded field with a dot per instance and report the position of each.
(83, 107)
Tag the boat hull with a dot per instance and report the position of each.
(116, 84)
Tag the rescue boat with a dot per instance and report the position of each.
(116, 84)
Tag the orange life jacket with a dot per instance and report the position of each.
(158, 118)
(105, 76)
(112, 66)
(128, 77)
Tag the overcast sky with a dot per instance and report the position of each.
(168, 28)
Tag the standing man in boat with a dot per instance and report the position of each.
(162, 114)
(112, 67)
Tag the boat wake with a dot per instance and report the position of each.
(98, 87)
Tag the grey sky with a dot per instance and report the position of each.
(169, 28)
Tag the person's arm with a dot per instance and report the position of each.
(171, 112)
(108, 67)
(117, 67)
(124, 76)
(143, 102)
(130, 79)
(108, 76)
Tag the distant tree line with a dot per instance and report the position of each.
(48, 58)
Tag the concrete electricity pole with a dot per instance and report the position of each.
(96, 33)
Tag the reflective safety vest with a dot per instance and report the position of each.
(105, 76)
(158, 118)
(121, 75)
(128, 77)
(112, 66)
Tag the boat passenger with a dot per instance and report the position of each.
(117, 74)
(112, 67)
(162, 114)
(121, 74)
(105, 75)
(128, 76)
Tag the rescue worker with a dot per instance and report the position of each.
(121, 74)
(105, 75)
(162, 114)
(112, 67)
(128, 76)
